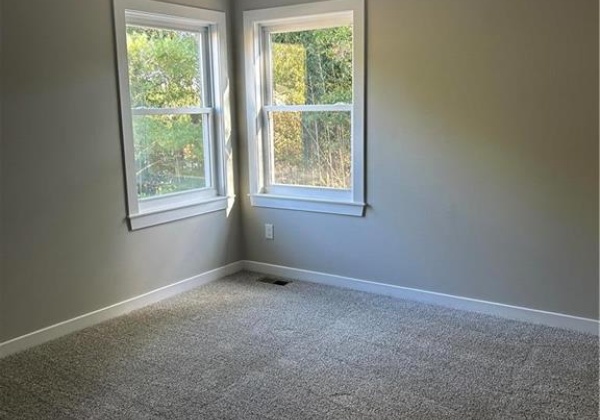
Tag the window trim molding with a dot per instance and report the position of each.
(318, 14)
(220, 195)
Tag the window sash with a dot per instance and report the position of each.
(153, 20)
(272, 187)
(203, 34)
(308, 108)
(266, 68)
(311, 23)
(208, 144)
(210, 170)
(180, 199)
(316, 193)
(171, 111)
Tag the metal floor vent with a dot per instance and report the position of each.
(273, 280)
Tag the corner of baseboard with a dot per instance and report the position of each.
(535, 316)
(121, 308)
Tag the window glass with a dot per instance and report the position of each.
(312, 148)
(169, 154)
(312, 67)
(164, 68)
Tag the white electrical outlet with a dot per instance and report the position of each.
(269, 231)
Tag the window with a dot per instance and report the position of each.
(172, 74)
(305, 100)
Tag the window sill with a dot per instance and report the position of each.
(345, 208)
(171, 214)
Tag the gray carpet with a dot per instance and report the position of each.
(241, 349)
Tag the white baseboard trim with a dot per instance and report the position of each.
(536, 316)
(552, 319)
(87, 320)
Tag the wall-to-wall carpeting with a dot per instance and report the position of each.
(242, 349)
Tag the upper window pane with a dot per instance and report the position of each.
(312, 67)
(164, 68)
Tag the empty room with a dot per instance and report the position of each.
(299, 209)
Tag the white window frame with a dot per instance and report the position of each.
(257, 24)
(219, 195)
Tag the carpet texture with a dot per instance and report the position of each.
(243, 349)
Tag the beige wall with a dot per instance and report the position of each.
(482, 156)
(68, 249)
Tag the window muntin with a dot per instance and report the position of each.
(175, 112)
(305, 110)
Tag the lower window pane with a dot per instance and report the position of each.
(312, 148)
(169, 154)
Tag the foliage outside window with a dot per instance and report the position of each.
(171, 80)
(304, 84)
